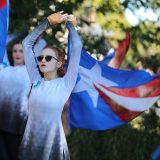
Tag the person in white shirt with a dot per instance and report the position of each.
(44, 136)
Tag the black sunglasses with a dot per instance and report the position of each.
(47, 58)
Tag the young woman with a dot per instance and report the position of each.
(44, 136)
(14, 89)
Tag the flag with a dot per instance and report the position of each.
(116, 56)
(105, 97)
(110, 55)
(4, 14)
(156, 154)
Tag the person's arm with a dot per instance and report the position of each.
(39, 46)
(29, 55)
(65, 119)
(72, 70)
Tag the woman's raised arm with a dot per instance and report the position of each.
(72, 70)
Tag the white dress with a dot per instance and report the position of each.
(44, 137)
(14, 91)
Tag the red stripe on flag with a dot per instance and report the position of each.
(2, 3)
(123, 113)
(150, 89)
(121, 51)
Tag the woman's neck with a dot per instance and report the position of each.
(50, 75)
(15, 64)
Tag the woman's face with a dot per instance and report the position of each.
(17, 54)
(49, 65)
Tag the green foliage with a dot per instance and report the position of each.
(134, 141)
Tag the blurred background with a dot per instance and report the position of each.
(102, 25)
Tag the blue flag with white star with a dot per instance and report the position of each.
(104, 97)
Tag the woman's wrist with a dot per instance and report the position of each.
(49, 21)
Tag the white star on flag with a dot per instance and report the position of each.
(89, 77)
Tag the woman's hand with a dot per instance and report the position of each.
(57, 18)
(72, 18)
